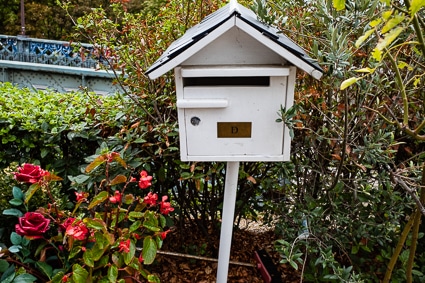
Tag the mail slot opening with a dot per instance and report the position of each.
(227, 81)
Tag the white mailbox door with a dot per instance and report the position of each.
(235, 121)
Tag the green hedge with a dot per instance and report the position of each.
(55, 130)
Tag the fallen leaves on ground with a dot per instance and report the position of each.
(179, 269)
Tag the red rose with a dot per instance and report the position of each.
(30, 173)
(77, 230)
(145, 180)
(32, 225)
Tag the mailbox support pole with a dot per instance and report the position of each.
(230, 187)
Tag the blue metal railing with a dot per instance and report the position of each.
(43, 51)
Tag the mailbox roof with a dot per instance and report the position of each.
(170, 58)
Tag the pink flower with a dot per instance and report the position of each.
(77, 230)
(150, 199)
(145, 180)
(116, 198)
(165, 207)
(30, 173)
(32, 225)
(81, 196)
(65, 224)
(124, 246)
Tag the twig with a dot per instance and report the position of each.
(203, 258)
(412, 193)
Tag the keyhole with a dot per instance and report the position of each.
(195, 121)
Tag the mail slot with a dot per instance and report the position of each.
(230, 113)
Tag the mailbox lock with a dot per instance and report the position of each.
(195, 121)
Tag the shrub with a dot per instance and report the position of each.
(53, 129)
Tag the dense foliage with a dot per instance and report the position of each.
(52, 129)
(46, 18)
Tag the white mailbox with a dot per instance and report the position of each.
(233, 74)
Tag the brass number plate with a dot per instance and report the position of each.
(234, 129)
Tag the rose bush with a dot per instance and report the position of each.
(109, 234)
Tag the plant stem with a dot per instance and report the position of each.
(415, 232)
(398, 249)
(344, 141)
(28, 269)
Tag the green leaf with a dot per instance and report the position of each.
(355, 249)
(58, 277)
(392, 23)
(74, 252)
(135, 214)
(46, 268)
(415, 6)
(98, 199)
(100, 247)
(151, 222)
(366, 70)
(377, 54)
(88, 258)
(25, 278)
(31, 191)
(15, 249)
(128, 257)
(79, 273)
(387, 14)
(135, 226)
(4, 265)
(149, 250)
(96, 223)
(374, 23)
(348, 82)
(17, 193)
(112, 274)
(339, 4)
(8, 275)
(389, 38)
(79, 179)
(15, 202)
(162, 220)
(15, 238)
(13, 212)
(362, 38)
(153, 278)
(402, 65)
(44, 152)
(293, 264)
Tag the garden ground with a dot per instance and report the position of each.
(248, 238)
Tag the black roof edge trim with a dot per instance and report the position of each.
(275, 38)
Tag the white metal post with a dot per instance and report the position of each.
(229, 202)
